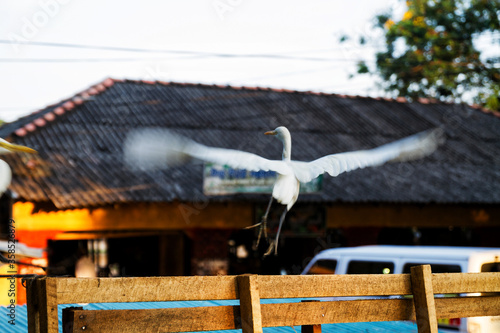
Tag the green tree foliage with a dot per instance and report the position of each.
(430, 52)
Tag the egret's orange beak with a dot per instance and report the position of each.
(270, 133)
(14, 148)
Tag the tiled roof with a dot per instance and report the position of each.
(80, 143)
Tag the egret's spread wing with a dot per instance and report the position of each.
(413, 147)
(238, 159)
(159, 148)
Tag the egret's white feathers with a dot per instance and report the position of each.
(6, 176)
(286, 190)
(413, 147)
(154, 149)
(238, 159)
(158, 148)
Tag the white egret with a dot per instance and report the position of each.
(156, 148)
(5, 172)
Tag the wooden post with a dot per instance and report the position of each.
(423, 299)
(32, 305)
(42, 314)
(251, 318)
(310, 328)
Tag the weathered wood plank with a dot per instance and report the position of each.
(291, 286)
(287, 314)
(149, 289)
(295, 286)
(423, 298)
(227, 317)
(251, 318)
(461, 307)
(453, 283)
(318, 313)
(209, 318)
(74, 290)
(145, 289)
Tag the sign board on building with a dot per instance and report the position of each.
(221, 180)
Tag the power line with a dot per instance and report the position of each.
(190, 54)
(164, 51)
(62, 60)
(69, 60)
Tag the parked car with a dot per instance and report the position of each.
(389, 259)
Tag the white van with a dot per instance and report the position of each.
(392, 259)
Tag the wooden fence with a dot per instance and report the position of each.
(45, 294)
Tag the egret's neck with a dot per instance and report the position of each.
(287, 147)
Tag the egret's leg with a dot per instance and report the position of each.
(274, 244)
(262, 223)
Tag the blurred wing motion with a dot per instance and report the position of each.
(410, 148)
(158, 148)
(5, 172)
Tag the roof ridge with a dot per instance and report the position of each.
(62, 107)
(71, 103)
(400, 99)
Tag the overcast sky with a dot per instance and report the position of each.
(283, 44)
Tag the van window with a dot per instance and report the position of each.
(436, 268)
(491, 267)
(323, 267)
(370, 267)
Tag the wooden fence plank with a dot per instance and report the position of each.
(210, 318)
(453, 283)
(156, 289)
(423, 298)
(461, 307)
(285, 314)
(145, 289)
(330, 312)
(251, 318)
(302, 286)
(74, 290)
